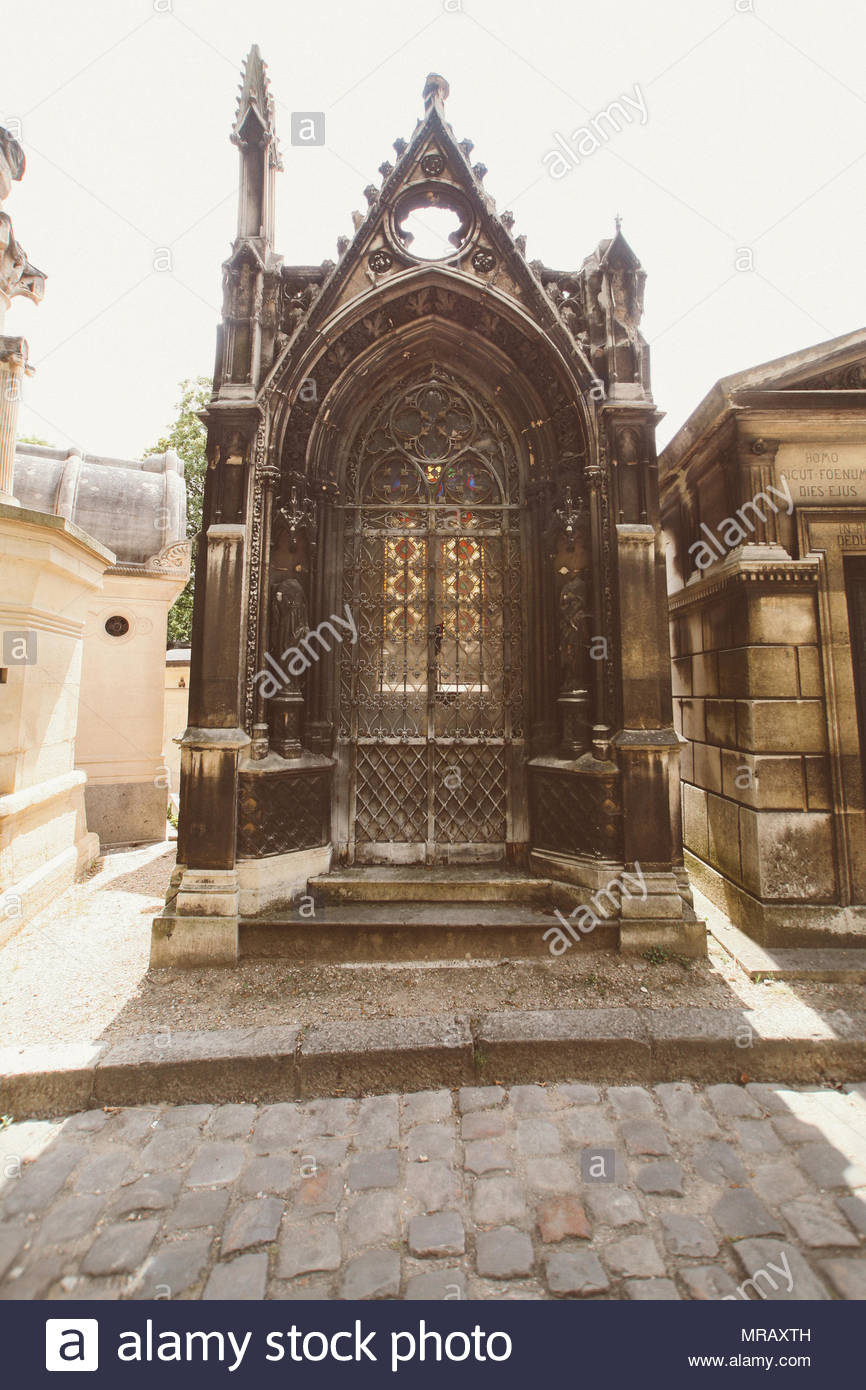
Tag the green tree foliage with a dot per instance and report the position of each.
(35, 439)
(187, 437)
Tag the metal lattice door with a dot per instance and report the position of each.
(430, 692)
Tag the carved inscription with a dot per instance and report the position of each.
(823, 477)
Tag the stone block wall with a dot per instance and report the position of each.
(749, 706)
(50, 572)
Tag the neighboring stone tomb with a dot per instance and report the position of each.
(764, 506)
(138, 508)
(48, 571)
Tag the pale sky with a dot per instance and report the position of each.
(752, 138)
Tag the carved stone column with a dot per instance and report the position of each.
(17, 278)
(323, 678)
(286, 706)
(594, 477)
(269, 476)
(200, 924)
(646, 745)
(576, 627)
(540, 638)
(13, 368)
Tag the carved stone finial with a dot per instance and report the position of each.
(12, 162)
(618, 221)
(17, 275)
(256, 107)
(570, 517)
(466, 146)
(507, 220)
(479, 170)
(343, 244)
(435, 93)
(520, 243)
(399, 146)
(386, 169)
(299, 515)
(371, 193)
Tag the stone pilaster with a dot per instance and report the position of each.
(13, 368)
(200, 924)
(647, 746)
(756, 471)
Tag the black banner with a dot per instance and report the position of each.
(428, 1344)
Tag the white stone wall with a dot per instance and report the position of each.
(120, 743)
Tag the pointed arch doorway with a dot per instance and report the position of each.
(431, 692)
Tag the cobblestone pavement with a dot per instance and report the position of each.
(534, 1192)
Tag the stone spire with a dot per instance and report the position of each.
(255, 134)
(253, 95)
(435, 93)
(17, 277)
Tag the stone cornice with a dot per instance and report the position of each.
(758, 572)
(55, 529)
(21, 615)
(806, 398)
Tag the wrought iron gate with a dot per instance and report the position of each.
(431, 691)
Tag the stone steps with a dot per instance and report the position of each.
(434, 885)
(478, 912)
(410, 931)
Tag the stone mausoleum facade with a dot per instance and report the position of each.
(764, 505)
(430, 628)
(136, 508)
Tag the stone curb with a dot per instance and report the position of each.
(375, 1056)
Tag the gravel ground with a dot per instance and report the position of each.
(67, 974)
(78, 972)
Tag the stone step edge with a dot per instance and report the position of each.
(335, 893)
(375, 1056)
(820, 964)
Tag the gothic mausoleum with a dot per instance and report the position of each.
(430, 659)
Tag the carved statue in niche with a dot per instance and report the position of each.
(575, 620)
(287, 625)
(628, 459)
